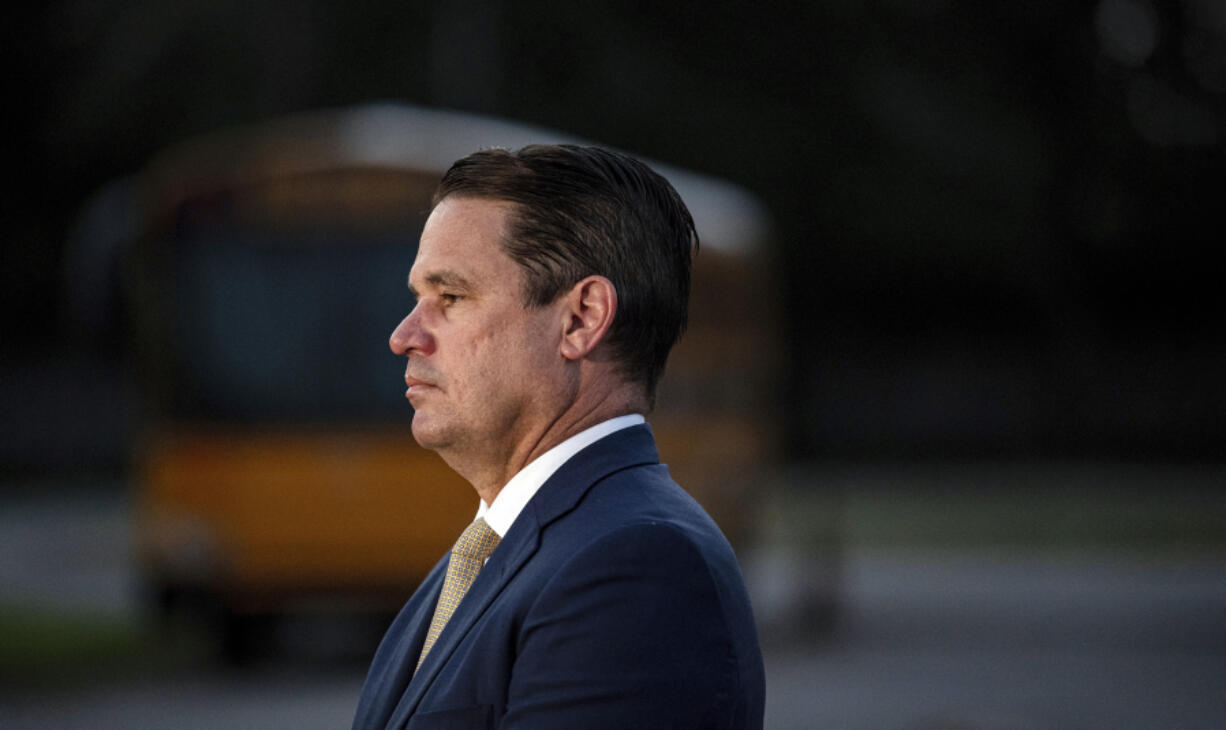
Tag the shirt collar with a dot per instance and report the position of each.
(517, 492)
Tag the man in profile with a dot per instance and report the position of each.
(591, 591)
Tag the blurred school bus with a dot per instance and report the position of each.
(276, 469)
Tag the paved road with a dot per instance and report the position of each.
(929, 641)
(1006, 641)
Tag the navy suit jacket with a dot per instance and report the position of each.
(612, 602)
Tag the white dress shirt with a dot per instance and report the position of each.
(511, 500)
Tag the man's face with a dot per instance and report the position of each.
(483, 370)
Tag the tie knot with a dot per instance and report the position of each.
(477, 541)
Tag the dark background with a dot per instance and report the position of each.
(997, 227)
(998, 222)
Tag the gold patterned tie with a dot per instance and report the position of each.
(467, 557)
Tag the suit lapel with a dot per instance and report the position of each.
(512, 553)
(630, 447)
(415, 637)
(392, 669)
(558, 495)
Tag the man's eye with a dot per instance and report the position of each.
(449, 298)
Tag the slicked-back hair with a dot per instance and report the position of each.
(583, 211)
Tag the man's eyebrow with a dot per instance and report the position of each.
(446, 278)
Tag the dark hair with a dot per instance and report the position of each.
(580, 211)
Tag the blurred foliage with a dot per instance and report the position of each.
(1055, 510)
(996, 219)
(40, 645)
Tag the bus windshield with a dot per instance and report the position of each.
(269, 324)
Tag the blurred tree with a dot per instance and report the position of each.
(996, 218)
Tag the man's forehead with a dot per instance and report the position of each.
(465, 211)
(457, 232)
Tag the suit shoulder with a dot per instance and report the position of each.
(686, 556)
(655, 596)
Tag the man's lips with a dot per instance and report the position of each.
(416, 385)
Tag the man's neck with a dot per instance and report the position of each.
(488, 473)
(516, 493)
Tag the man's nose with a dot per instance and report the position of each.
(410, 336)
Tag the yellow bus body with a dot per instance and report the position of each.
(263, 515)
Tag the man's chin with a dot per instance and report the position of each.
(428, 435)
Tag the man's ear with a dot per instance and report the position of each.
(590, 307)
